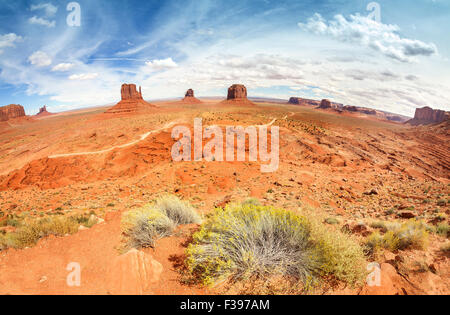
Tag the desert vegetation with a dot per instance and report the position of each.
(399, 236)
(29, 231)
(142, 227)
(248, 241)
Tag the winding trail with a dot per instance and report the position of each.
(142, 138)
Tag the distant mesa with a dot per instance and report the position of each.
(237, 95)
(132, 101)
(428, 116)
(189, 98)
(340, 108)
(327, 104)
(303, 101)
(11, 111)
(43, 112)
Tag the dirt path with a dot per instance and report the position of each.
(142, 138)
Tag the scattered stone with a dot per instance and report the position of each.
(223, 202)
(406, 215)
(371, 193)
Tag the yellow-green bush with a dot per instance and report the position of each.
(30, 231)
(142, 227)
(411, 234)
(247, 241)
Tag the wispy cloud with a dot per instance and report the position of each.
(41, 21)
(83, 76)
(375, 35)
(49, 9)
(161, 64)
(40, 59)
(8, 40)
(63, 67)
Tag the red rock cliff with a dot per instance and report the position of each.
(11, 111)
(427, 115)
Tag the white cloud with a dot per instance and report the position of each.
(83, 76)
(364, 31)
(40, 59)
(162, 64)
(63, 67)
(50, 9)
(41, 21)
(8, 40)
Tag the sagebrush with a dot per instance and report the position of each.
(251, 241)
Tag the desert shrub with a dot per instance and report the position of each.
(331, 221)
(411, 234)
(252, 201)
(249, 241)
(144, 226)
(31, 231)
(179, 211)
(443, 229)
(446, 248)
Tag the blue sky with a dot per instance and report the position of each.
(314, 49)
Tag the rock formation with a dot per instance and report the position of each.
(237, 95)
(43, 112)
(132, 101)
(303, 101)
(190, 98)
(11, 111)
(325, 104)
(427, 116)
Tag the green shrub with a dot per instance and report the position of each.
(443, 229)
(411, 234)
(180, 212)
(248, 241)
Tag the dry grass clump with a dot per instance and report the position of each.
(179, 211)
(143, 227)
(250, 241)
(398, 236)
(29, 232)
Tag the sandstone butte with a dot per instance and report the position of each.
(237, 95)
(189, 98)
(131, 102)
(427, 116)
(43, 112)
(11, 111)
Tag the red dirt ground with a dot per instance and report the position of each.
(327, 161)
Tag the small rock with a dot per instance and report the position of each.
(223, 202)
(406, 215)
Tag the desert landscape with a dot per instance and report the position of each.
(357, 172)
(220, 155)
